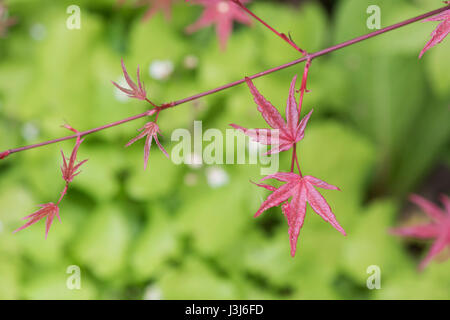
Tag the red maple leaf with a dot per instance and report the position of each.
(441, 31)
(438, 229)
(300, 190)
(48, 211)
(150, 131)
(289, 132)
(221, 13)
(69, 169)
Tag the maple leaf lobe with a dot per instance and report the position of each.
(441, 31)
(438, 229)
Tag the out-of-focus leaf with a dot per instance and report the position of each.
(157, 243)
(53, 285)
(216, 220)
(438, 69)
(156, 181)
(306, 24)
(370, 244)
(103, 242)
(198, 282)
(9, 278)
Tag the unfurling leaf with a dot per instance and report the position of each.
(150, 131)
(69, 169)
(48, 211)
(136, 91)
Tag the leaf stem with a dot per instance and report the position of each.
(293, 157)
(303, 85)
(233, 84)
(281, 35)
(63, 193)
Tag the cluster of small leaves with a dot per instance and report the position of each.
(297, 190)
(221, 13)
(69, 169)
(151, 129)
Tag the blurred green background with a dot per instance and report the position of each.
(379, 131)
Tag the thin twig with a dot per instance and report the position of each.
(281, 35)
(235, 83)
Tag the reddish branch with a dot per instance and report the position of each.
(308, 57)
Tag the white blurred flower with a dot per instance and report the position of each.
(194, 161)
(38, 32)
(190, 179)
(118, 94)
(223, 7)
(30, 131)
(152, 292)
(190, 62)
(217, 177)
(161, 69)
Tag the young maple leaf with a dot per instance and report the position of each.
(290, 131)
(438, 229)
(135, 91)
(150, 130)
(300, 190)
(441, 31)
(69, 169)
(222, 13)
(48, 211)
(156, 5)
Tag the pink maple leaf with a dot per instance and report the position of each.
(48, 211)
(441, 31)
(438, 229)
(289, 132)
(69, 169)
(150, 131)
(156, 5)
(300, 190)
(220, 13)
(136, 91)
